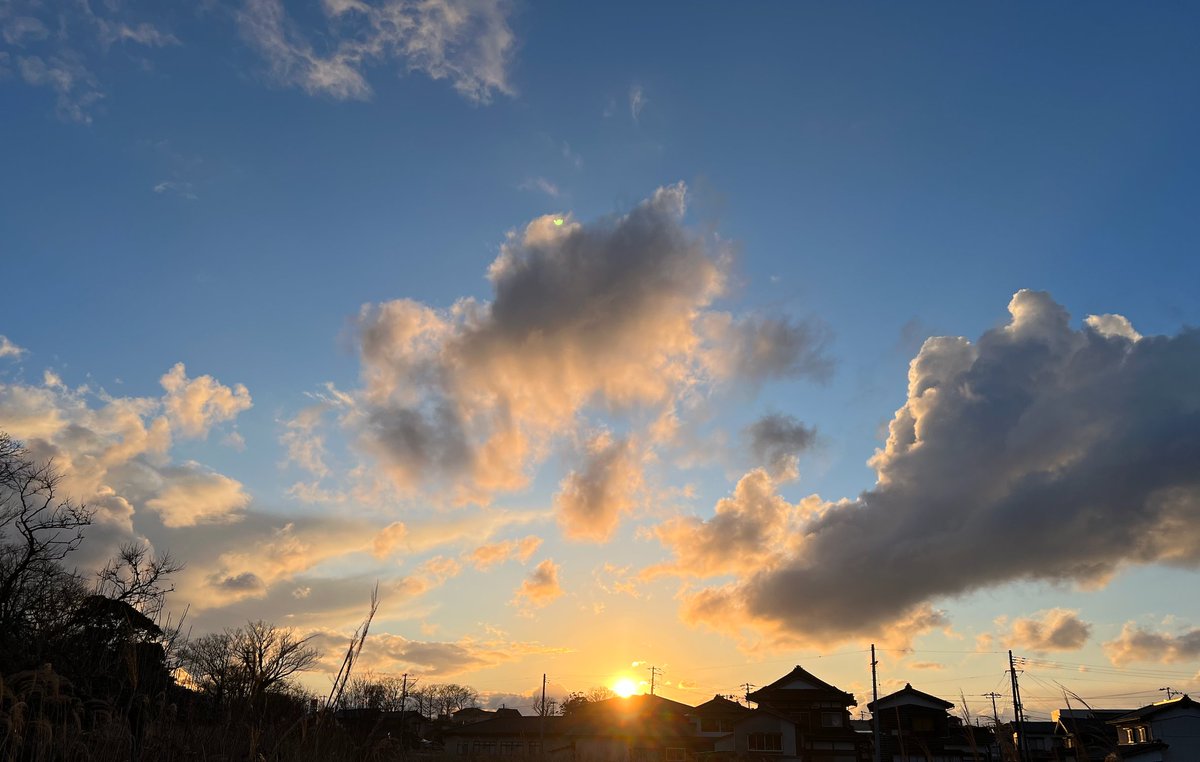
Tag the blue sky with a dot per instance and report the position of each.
(227, 186)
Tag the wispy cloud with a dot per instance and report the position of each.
(9, 349)
(540, 184)
(468, 43)
(637, 101)
(62, 61)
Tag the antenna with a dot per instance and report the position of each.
(1171, 692)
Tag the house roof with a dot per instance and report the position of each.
(1182, 702)
(643, 715)
(796, 678)
(719, 705)
(908, 695)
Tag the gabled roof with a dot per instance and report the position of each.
(719, 705)
(799, 679)
(1183, 702)
(909, 695)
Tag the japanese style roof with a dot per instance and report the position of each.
(909, 695)
(1182, 702)
(719, 705)
(799, 679)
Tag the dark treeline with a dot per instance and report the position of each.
(93, 668)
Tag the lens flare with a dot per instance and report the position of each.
(624, 687)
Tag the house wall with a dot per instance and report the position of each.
(763, 724)
(1181, 729)
(601, 750)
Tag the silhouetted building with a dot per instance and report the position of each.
(819, 717)
(1087, 735)
(917, 727)
(1167, 731)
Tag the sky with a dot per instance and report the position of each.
(604, 336)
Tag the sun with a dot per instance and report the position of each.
(624, 687)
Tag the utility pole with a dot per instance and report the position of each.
(654, 671)
(1171, 692)
(875, 701)
(746, 687)
(403, 719)
(542, 722)
(995, 714)
(1018, 710)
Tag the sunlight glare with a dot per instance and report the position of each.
(625, 687)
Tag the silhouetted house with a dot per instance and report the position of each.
(408, 727)
(507, 733)
(1042, 742)
(761, 734)
(1167, 731)
(916, 726)
(717, 716)
(819, 713)
(470, 714)
(635, 729)
(1087, 735)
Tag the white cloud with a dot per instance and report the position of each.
(467, 42)
(9, 349)
(637, 101)
(192, 494)
(195, 405)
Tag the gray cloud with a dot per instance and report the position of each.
(1053, 630)
(1136, 644)
(776, 441)
(593, 498)
(613, 317)
(1039, 452)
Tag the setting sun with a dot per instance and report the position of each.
(625, 687)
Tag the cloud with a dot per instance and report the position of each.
(540, 587)
(194, 405)
(751, 529)
(1138, 644)
(75, 88)
(610, 319)
(637, 101)
(1055, 630)
(540, 184)
(9, 349)
(467, 42)
(448, 658)
(193, 494)
(776, 441)
(114, 454)
(55, 46)
(486, 556)
(592, 499)
(1039, 452)
(755, 347)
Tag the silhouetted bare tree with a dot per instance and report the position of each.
(38, 528)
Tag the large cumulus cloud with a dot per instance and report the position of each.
(1039, 452)
(612, 318)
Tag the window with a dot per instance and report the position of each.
(535, 748)
(765, 742)
(509, 748)
(922, 723)
(831, 719)
(675, 754)
(1142, 735)
(463, 748)
(715, 725)
(484, 747)
(1127, 735)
